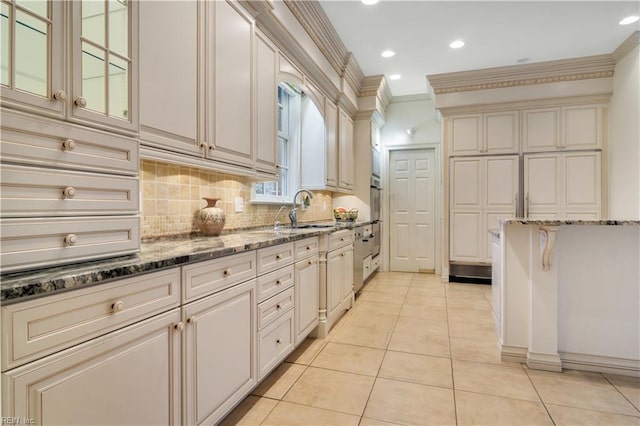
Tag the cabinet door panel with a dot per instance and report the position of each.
(331, 140)
(502, 174)
(265, 105)
(466, 182)
(541, 129)
(501, 132)
(169, 63)
(491, 221)
(347, 273)
(307, 297)
(232, 85)
(466, 135)
(582, 127)
(276, 341)
(131, 376)
(466, 235)
(334, 281)
(541, 183)
(345, 144)
(219, 350)
(582, 182)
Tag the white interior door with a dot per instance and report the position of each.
(412, 205)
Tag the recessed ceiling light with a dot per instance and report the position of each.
(395, 77)
(387, 53)
(629, 20)
(456, 44)
(369, 2)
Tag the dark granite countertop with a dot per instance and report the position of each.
(558, 222)
(154, 255)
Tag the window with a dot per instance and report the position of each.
(281, 190)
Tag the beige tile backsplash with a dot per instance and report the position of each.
(173, 194)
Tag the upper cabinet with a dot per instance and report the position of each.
(172, 61)
(346, 175)
(563, 128)
(231, 117)
(331, 143)
(97, 86)
(487, 133)
(265, 108)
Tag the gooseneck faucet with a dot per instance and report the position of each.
(293, 214)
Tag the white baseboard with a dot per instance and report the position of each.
(601, 364)
(513, 354)
(545, 362)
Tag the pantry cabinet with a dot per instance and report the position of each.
(563, 185)
(220, 352)
(482, 191)
(573, 127)
(486, 133)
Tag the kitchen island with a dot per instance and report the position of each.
(566, 294)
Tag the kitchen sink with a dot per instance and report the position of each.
(316, 225)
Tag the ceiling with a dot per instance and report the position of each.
(496, 33)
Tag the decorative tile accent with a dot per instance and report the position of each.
(173, 194)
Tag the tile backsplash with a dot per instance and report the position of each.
(172, 194)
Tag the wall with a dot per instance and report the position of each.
(624, 139)
(407, 112)
(172, 195)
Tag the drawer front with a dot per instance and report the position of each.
(211, 276)
(31, 243)
(274, 282)
(306, 248)
(36, 140)
(272, 258)
(28, 191)
(275, 342)
(43, 326)
(273, 308)
(340, 239)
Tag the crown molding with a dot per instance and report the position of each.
(600, 66)
(627, 46)
(411, 98)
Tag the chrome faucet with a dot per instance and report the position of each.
(276, 222)
(293, 214)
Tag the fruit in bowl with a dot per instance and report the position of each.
(340, 213)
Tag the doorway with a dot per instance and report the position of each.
(412, 201)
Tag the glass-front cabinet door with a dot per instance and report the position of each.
(104, 67)
(31, 51)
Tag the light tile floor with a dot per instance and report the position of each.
(417, 351)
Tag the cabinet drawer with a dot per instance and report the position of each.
(274, 282)
(32, 243)
(272, 258)
(36, 140)
(306, 248)
(273, 308)
(367, 267)
(340, 239)
(29, 191)
(43, 326)
(208, 277)
(275, 342)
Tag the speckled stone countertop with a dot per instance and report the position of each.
(554, 222)
(154, 255)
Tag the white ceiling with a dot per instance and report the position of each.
(497, 33)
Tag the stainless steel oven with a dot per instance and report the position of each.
(375, 231)
(375, 203)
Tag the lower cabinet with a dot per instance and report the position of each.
(337, 281)
(131, 376)
(220, 364)
(307, 294)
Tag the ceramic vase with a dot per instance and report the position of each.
(211, 219)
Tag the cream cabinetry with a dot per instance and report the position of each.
(573, 127)
(307, 288)
(130, 376)
(331, 144)
(265, 112)
(482, 191)
(220, 365)
(98, 85)
(563, 185)
(346, 165)
(172, 61)
(484, 133)
(336, 278)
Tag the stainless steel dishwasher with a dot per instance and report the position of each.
(362, 246)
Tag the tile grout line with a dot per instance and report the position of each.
(453, 380)
(539, 397)
(621, 393)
